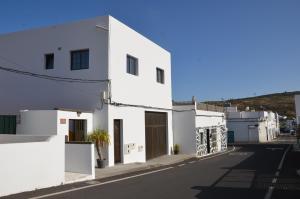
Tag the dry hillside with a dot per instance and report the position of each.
(283, 103)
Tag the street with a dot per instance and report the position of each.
(251, 171)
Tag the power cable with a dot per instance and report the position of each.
(54, 78)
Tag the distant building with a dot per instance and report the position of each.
(297, 106)
(251, 126)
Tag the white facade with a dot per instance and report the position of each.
(297, 106)
(250, 126)
(190, 128)
(109, 42)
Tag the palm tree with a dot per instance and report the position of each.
(101, 139)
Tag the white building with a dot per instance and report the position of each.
(132, 100)
(297, 106)
(250, 126)
(198, 128)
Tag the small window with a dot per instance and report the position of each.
(160, 75)
(79, 59)
(132, 65)
(49, 61)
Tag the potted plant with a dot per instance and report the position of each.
(101, 139)
(176, 149)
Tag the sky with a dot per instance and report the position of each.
(220, 49)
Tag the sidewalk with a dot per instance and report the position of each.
(165, 160)
(132, 167)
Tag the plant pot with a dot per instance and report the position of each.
(100, 163)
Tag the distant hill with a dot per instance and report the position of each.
(282, 103)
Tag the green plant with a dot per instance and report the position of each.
(176, 149)
(101, 139)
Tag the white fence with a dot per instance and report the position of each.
(80, 158)
(30, 162)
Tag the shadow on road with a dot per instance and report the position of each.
(252, 177)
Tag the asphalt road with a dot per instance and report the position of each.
(251, 171)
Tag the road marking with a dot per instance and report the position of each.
(181, 165)
(271, 188)
(269, 193)
(274, 148)
(283, 157)
(191, 162)
(100, 184)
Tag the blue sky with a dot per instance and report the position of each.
(220, 48)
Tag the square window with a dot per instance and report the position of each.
(49, 61)
(79, 59)
(132, 65)
(160, 75)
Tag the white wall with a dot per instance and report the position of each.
(209, 118)
(29, 165)
(142, 89)
(241, 129)
(38, 122)
(80, 158)
(184, 131)
(26, 49)
(47, 122)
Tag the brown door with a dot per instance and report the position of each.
(156, 134)
(117, 140)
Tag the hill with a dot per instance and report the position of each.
(282, 103)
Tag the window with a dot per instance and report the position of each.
(160, 75)
(49, 61)
(132, 65)
(79, 59)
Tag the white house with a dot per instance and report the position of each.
(199, 128)
(107, 74)
(251, 126)
(297, 106)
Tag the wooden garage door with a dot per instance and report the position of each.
(156, 134)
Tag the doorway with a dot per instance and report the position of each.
(117, 141)
(77, 130)
(230, 137)
(207, 140)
